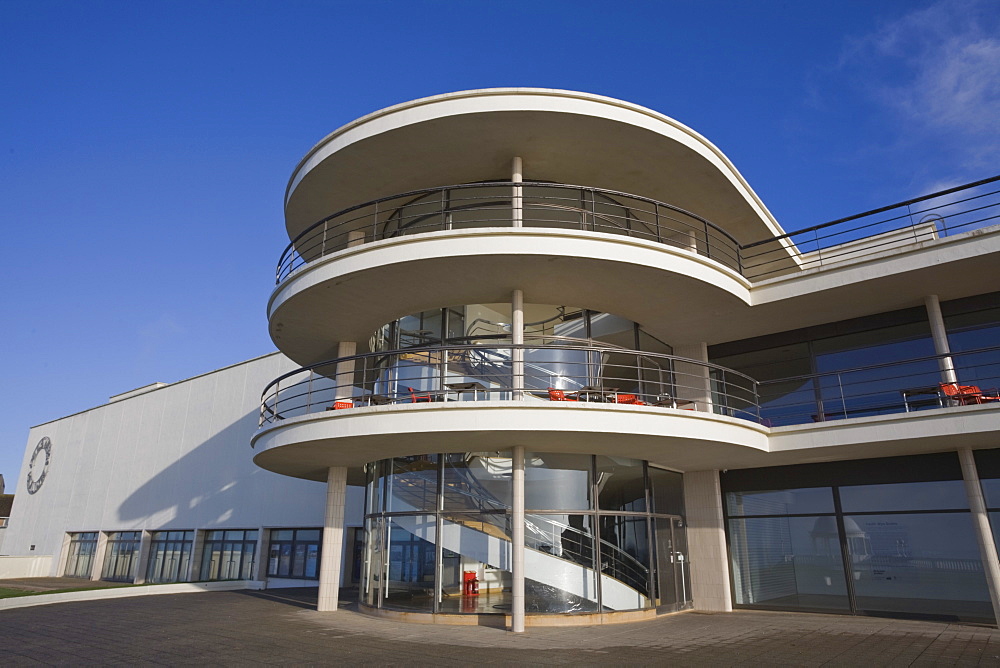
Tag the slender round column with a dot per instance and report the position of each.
(517, 541)
(981, 523)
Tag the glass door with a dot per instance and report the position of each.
(673, 582)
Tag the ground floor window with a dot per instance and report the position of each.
(294, 553)
(601, 534)
(229, 555)
(882, 536)
(169, 556)
(80, 558)
(121, 556)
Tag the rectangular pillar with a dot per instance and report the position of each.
(345, 370)
(706, 536)
(517, 541)
(694, 383)
(97, 568)
(333, 540)
(981, 524)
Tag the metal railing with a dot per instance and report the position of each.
(586, 374)
(508, 204)
(937, 215)
(561, 206)
(876, 389)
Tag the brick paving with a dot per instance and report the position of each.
(282, 627)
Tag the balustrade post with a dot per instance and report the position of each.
(517, 350)
(517, 211)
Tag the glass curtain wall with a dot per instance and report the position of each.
(121, 556)
(169, 556)
(601, 533)
(80, 560)
(889, 536)
(232, 555)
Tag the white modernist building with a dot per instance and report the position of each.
(545, 354)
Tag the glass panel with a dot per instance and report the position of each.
(475, 566)
(918, 564)
(667, 491)
(557, 481)
(621, 484)
(477, 481)
(412, 484)
(624, 562)
(280, 534)
(991, 491)
(410, 572)
(781, 502)
(667, 563)
(937, 495)
(251, 535)
(788, 563)
(308, 534)
(373, 568)
(559, 561)
(312, 560)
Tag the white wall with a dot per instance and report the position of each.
(177, 457)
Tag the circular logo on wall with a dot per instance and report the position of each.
(38, 468)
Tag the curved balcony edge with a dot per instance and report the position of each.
(501, 204)
(307, 445)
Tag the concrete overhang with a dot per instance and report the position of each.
(304, 447)
(673, 293)
(561, 136)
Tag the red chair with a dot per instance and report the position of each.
(340, 405)
(967, 395)
(419, 398)
(628, 399)
(559, 395)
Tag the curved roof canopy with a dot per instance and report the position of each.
(561, 136)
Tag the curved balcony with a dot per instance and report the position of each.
(506, 204)
(586, 375)
(555, 398)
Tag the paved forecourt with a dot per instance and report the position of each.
(282, 627)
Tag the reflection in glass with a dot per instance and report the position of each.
(624, 561)
(918, 564)
(410, 573)
(788, 563)
(935, 495)
(169, 556)
(411, 484)
(121, 556)
(666, 491)
(781, 502)
(559, 561)
(477, 481)
(621, 484)
(557, 481)
(82, 547)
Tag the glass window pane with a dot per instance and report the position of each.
(410, 581)
(308, 534)
(475, 566)
(559, 562)
(991, 491)
(667, 491)
(780, 502)
(557, 481)
(412, 484)
(788, 563)
(918, 564)
(477, 481)
(624, 562)
(621, 484)
(279, 534)
(937, 495)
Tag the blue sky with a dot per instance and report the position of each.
(145, 146)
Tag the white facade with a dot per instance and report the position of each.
(501, 296)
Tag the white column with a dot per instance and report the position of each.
(345, 370)
(706, 536)
(517, 209)
(517, 338)
(517, 541)
(940, 336)
(145, 543)
(97, 567)
(981, 522)
(694, 383)
(333, 539)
